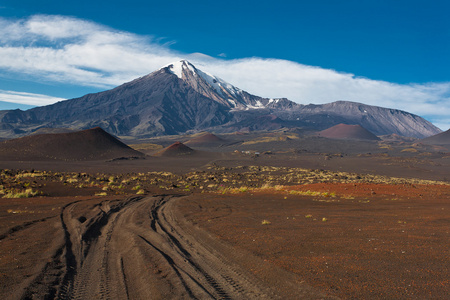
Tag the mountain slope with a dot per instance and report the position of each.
(180, 98)
(344, 131)
(442, 138)
(172, 100)
(378, 120)
(204, 139)
(158, 103)
(91, 144)
(176, 149)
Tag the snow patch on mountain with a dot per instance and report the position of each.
(232, 102)
(258, 105)
(215, 87)
(176, 68)
(273, 100)
(221, 86)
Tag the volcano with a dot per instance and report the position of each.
(344, 131)
(180, 98)
(442, 138)
(204, 139)
(176, 149)
(91, 144)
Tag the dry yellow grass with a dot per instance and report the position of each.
(21, 194)
(410, 150)
(146, 147)
(269, 139)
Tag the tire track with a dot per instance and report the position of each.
(138, 249)
(23, 226)
(174, 267)
(213, 274)
(176, 244)
(58, 271)
(124, 278)
(83, 262)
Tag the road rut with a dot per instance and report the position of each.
(137, 250)
(143, 248)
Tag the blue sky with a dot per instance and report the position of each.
(387, 53)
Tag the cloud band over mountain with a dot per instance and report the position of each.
(77, 52)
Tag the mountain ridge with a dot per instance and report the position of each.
(180, 98)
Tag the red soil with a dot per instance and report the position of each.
(344, 131)
(204, 139)
(176, 149)
(369, 241)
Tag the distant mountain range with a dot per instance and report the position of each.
(180, 98)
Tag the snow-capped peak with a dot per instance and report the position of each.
(216, 88)
(222, 87)
(178, 67)
(206, 83)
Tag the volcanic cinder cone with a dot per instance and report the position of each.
(344, 131)
(206, 138)
(442, 138)
(91, 144)
(176, 149)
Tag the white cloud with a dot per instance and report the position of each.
(79, 52)
(306, 84)
(27, 98)
(66, 49)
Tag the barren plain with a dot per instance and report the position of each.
(249, 216)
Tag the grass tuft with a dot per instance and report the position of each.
(21, 194)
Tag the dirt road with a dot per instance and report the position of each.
(140, 248)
